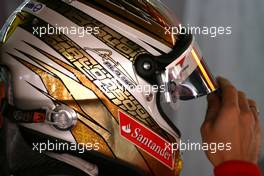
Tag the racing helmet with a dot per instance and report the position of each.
(106, 73)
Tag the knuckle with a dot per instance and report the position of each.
(233, 109)
(248, 119)
(252, 102)
(231, 88)
(241, 94)
(246, 114)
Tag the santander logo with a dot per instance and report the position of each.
(127, 128)
(146, 139)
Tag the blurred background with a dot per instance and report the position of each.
(237, 57)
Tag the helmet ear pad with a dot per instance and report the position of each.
(146, 67)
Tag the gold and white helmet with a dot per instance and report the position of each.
(106, 73)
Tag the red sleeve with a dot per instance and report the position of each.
(237, 168)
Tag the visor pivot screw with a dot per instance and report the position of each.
(62, 117)
(147, 66)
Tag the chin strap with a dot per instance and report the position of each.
(16, 115)
(61, 117)
(23, 116)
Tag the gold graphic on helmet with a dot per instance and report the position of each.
(110, 141)
(95, 77)
(113, 39)
(113, 65)
(57, 91)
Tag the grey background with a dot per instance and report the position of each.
(238, 57)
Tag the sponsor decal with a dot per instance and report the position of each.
(187, 63)
(184, 66)
(114, 66)
(34, 7)
(146, 139)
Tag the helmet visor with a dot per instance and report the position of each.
(187, 77)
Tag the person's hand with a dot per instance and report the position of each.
(232, 118)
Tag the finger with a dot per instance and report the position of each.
(214, 102)
(253, 105)
(254, 108)
(243, 102)
(229, 93)
(214, 105)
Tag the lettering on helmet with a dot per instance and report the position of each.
(146, 139)
(114, 66)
